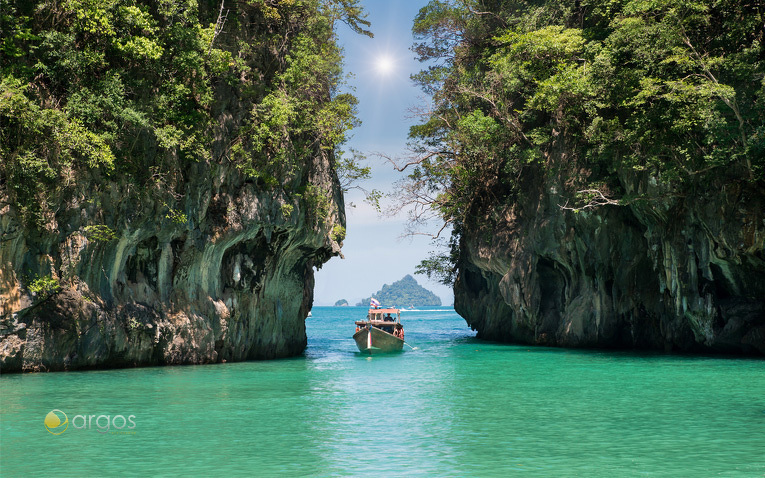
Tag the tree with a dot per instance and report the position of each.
(124, 92)
(589, 92)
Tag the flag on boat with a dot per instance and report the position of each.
(374, 303)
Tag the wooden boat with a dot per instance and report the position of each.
(382, 332)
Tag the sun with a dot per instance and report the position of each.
(385, 65)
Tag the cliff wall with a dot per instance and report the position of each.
(603, 169)
(687, 274)
(234, 282)
(197, 245)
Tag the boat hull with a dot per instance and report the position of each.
(371, 340)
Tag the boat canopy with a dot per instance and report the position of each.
(384, 311)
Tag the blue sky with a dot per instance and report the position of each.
(375, 253)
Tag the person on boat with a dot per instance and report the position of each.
(399, 332)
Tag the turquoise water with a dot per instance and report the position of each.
(454, 406)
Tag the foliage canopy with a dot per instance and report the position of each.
(670, 93)
(94, 92)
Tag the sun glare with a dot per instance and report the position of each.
(384, 65)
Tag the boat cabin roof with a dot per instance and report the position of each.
(384, 311)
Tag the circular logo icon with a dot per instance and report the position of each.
(56, 422)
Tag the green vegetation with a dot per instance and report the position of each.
(404, 293)
(176, 216)
(619, 101)
(94, 93)
(100, 232)
(439, 266)
(44, 287)
(338, 233)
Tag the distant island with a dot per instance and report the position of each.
(341, 303)
(404, 293)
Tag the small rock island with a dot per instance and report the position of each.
(403, 293)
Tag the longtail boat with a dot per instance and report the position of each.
(381, 332)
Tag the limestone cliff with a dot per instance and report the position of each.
(686, 274)
(603, 168)
(233, 283)
(199, 247)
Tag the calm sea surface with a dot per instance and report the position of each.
(452, 406)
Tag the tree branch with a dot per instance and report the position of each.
(733, 105)
(218, 26)
(599, 199)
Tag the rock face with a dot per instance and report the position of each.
(686, 274)
(234, 282)
(220, 268)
